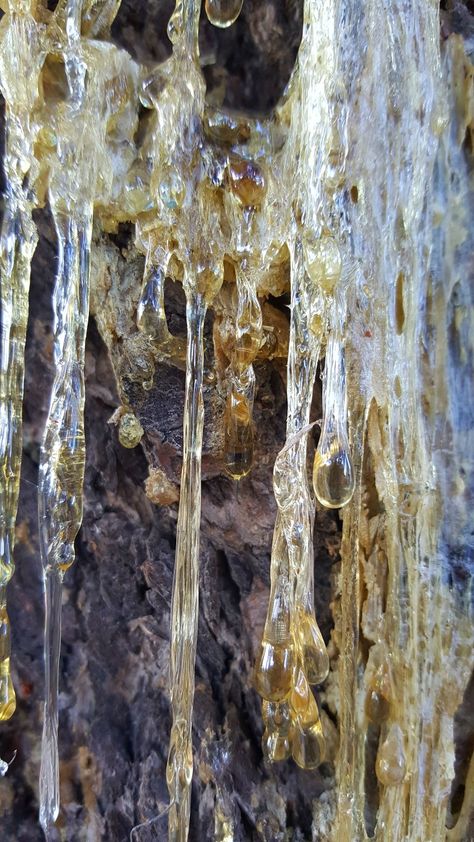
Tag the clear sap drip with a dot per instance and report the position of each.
(391, 764)
(333, 472)
(274, 671)
(223, 13)
(312, 647)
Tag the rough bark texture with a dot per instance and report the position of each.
(114, 705)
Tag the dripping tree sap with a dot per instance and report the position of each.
(330, 233)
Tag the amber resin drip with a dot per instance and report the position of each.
(333, 472)
(238, 446)
(62, 471)
(186, 579)
(293, 651)
(73, 164)
(20, 63)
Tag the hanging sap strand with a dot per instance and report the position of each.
(247, 189)
(21, 58)
(62, 457)
(333, 473)
(73, 166)
(238, 445)
(151, 314)
(293, 651)
(202, 281)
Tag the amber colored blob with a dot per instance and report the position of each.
(377, 707)
(314, 652)
(246, 181)
(238, 442)
(223, 13)
(308, 745)
(275, 747)
(390, 766)
(274, 671)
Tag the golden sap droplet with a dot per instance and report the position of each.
(308, 745)
(333, 474)
(223, 13)
(274, 671)
(322, 259)
(390, 766)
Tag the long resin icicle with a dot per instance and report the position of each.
(199, 280)
(238, 448)
(293, 650)
(61, 474)
(20, 63)
(186, 579)
(62, 471)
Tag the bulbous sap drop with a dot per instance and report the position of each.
(308, 745)
(277, 717)
(238, 445)
(302, 700)
(323, 261)
(223, 13)
(377, 707)
(276, 744)
(313, 648)
(274, 671)
(390, 766)
(275, 747)
(247, 181)
(333, 473)
(307, 740)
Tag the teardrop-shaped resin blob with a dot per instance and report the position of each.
(238, 438)
(322, 259)
(274, 671)
(333, 473)
(308, 745)
(377, 707)
(302, 700)
(275, 747)
(277, 717)
(390, 766)
(313, 648)
(223, 13)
